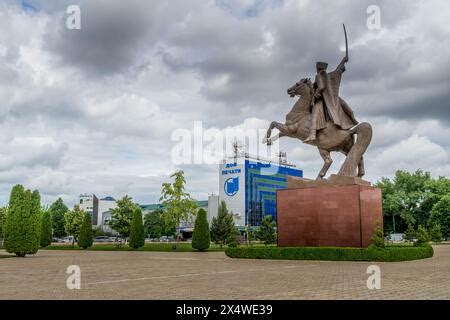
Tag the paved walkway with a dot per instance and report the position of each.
(165, 275)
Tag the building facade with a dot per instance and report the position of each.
(99, 209)
(248, 186)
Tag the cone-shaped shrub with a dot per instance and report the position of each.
(85, 237)
(137, 236)
(22, 225)
(35, 221)
(46, 229)
(201, 238)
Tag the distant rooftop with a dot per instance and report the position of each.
(281, 161)
(108, 198)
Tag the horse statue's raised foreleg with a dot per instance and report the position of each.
(284, 131)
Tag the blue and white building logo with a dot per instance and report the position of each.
(231, 186)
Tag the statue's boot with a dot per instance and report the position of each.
(311, 137)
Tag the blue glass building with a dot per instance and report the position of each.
(249, 188)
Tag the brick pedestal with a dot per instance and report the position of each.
(338, 215)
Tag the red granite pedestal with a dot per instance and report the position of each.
(343, 214)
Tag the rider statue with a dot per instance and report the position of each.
(323, 119)
(326, 103)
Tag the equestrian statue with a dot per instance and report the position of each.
(321, 118)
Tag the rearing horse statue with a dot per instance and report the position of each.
(330, 138)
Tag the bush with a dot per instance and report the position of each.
(22, 224)
(137, 235)
(422, 236)
(378, 238)
(46, 229)
(201, 239)
(389, 253)
(85, 238)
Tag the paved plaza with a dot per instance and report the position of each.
(165, 275)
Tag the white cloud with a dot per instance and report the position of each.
(94, 111)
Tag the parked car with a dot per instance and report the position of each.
(67, 239)
(164, 239)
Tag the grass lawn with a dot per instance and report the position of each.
(168, 247)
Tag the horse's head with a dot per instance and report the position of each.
(302, 88)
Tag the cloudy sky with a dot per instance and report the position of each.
(94, 110)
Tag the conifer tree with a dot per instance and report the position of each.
(137, 235)
(266, 231)
(46, 229)
(201, 238)
(222, 227)
(85, 238)
(22, 225)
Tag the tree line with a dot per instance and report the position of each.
(25, 225)
(416, 203)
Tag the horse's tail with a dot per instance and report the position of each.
(363, 133)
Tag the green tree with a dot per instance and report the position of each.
(409, 197)
(137, 235)
(440, 214)
(222, 226)
(266, 231)
(85, 237)
(201, 238)
(122, 215)
(22, 225)
(435, 189)
(58, 210)
(422, 236)
(178, 204)
(2, 220)
(435, 233)
(73, 221)
(233, 240)
(156, 226)
(410, 233)
(46, 229)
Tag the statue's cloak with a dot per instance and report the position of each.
(330, 82)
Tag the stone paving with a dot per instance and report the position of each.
(191, 275)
